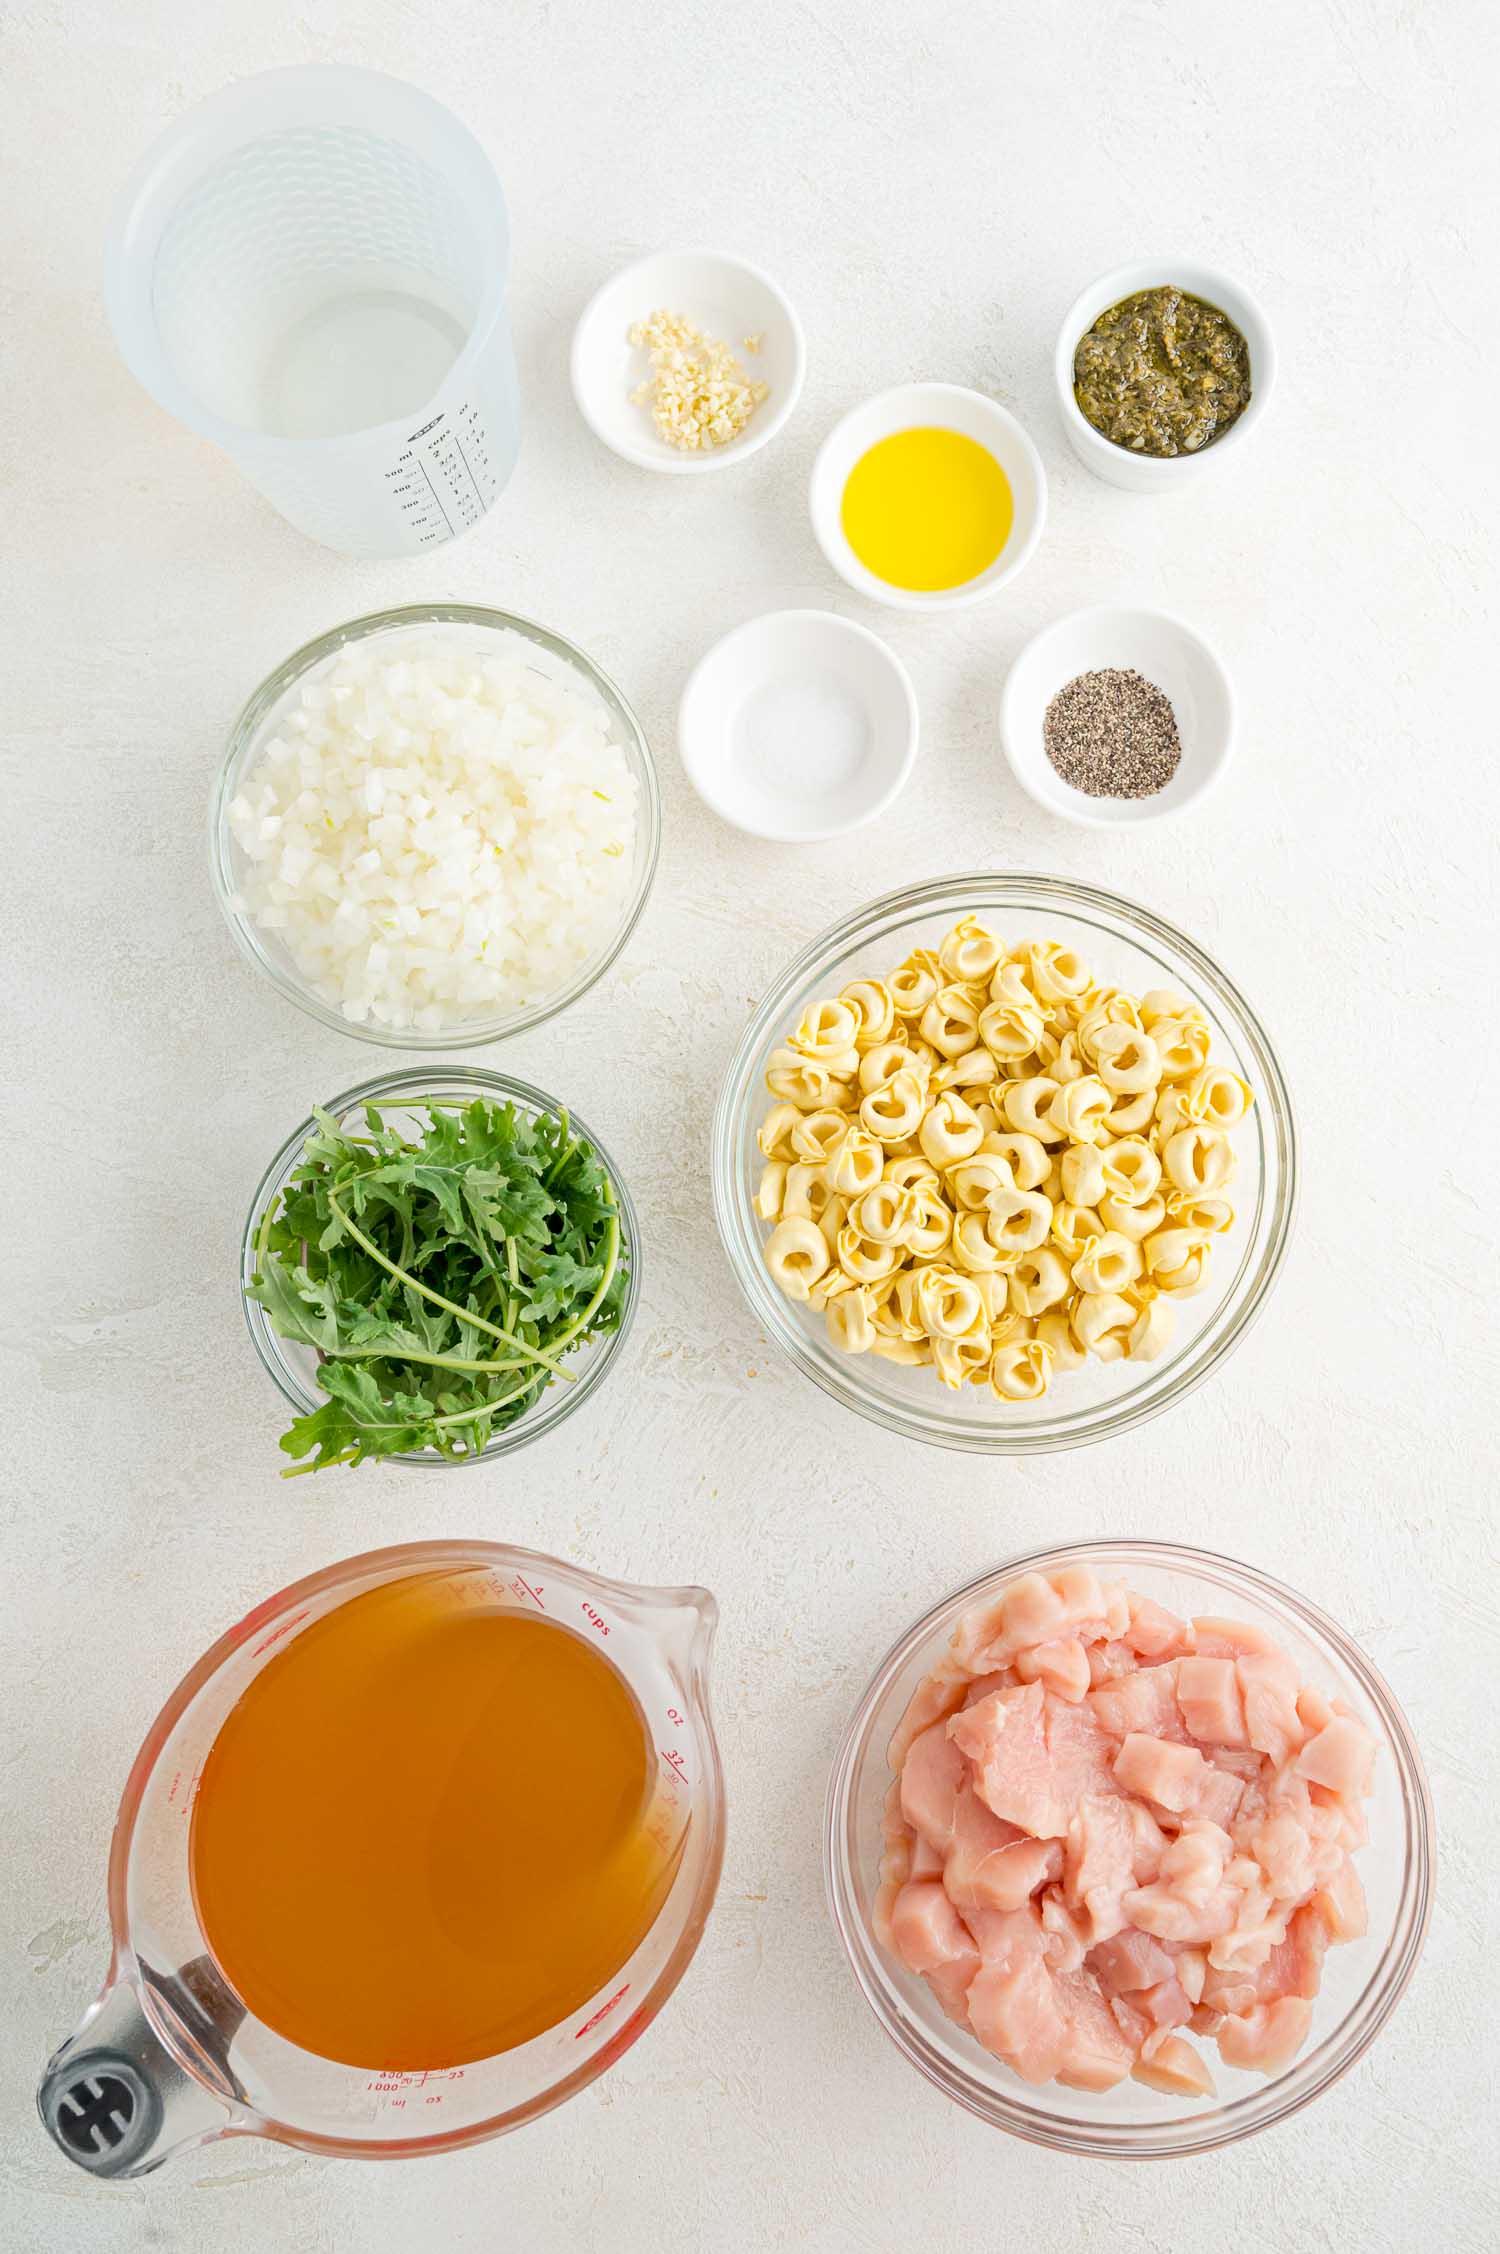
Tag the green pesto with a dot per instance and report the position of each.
(1162, 373)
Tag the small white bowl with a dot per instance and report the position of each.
(1171, 655)
(798, 726)
(1145, 473)
(723, 297)
(925, 406)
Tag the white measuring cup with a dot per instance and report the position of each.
(168, 2057)
(310, 270)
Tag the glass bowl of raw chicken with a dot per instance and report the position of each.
(1045, 1143)
(1213, 1879)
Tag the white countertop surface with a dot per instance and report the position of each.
(932, 186)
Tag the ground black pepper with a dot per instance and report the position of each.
(1112, 734)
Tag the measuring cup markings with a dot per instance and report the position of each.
(444, 467)
(184, 1806)
(277, 1633)
(602, 2013)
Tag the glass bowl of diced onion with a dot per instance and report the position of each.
(1363, 1980)
(1123, 946)
(460, 958)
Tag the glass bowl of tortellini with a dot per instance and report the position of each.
(1005, 1163)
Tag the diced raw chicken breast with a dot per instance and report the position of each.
(1012, 2002)
(991, 1865)
(1228, 1991)
(1067, 1930)
(1228, 1639)
(1092, 1607)
(1191, 1901)
(1107, 1662)
(1219, 1797)
(1097, 2055)
(1133, 2023)
(1191, 1966)
(1156, 1633)
(1197, 1861)
(1171, 1775)
(1145, 1701)
(1208, 1698)
(1268, 1685)
(1080, 1752)
(933, 1700)
(1259, 1926)
(950, 1983)
(1160, 1910)
(1314, 1711)
(1283, 1848)
(1165, 2005)
(898, 1842)
(926, 1930)
(1035, 1610)
(930, 1782)
(1034, 1757)
(1013, 2011)
(1341, 1905)
(1267, 2038)
(1176, 2068)
(1061, 1665)
(926, 1860)
(1110, 1826)
(1131, 1960)
(1005, 1738)
(1099, 1863)
(929, 1937)
(1150, 1844)
(1341, 1757)
(1295, 1965)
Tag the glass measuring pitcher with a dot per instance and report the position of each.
(310, 270)
(168, 2056)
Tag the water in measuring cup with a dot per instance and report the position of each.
(420, 1837)
(358, 359)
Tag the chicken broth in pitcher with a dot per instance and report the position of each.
(422, 1835)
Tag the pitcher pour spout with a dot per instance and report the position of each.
(684, 1622)
(117, 2097)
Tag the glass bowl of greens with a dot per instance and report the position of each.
(438, 1266)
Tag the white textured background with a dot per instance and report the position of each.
(932, 184)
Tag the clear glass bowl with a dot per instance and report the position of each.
(399, 1097)
(1129, 947)
(256, 723)
(1362, 1980)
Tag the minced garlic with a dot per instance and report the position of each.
(698, 393)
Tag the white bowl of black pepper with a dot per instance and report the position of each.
(1111, 717)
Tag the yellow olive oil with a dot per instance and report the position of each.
(927, 509)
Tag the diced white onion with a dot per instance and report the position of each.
(440, 835)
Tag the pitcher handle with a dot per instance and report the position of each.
(117, 2100)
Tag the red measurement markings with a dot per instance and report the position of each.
(277, 1633)
(394, 2081)
(595, 1619)
(602, 2013)
(188, 1791)
(523, 1588)
(675, 1763)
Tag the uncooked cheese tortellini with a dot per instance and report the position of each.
(993, 1166)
